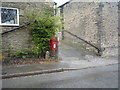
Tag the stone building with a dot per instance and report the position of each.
(18, 39)
(95, 22)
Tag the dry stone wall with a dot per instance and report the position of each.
(109, 35)
(20, 39)
(95, 22)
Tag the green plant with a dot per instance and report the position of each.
(43, 28)
(24, 57)
(19, 53)
(26, 53)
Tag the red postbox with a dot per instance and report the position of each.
(53, 44)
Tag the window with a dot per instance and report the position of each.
(9, 16)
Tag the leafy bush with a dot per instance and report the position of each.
(43, 28)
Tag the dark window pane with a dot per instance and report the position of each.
(8, 16)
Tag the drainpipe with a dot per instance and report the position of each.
(55, 6)
(118, 19)
(54, 53)
(62, 20)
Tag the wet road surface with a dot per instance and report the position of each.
(100, 77)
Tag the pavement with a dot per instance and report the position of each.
(69, 58)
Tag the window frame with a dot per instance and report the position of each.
(5, 24)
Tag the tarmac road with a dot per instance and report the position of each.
(99, 77)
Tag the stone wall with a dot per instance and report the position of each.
(95, 22)
(20, 39)
(109, 31)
